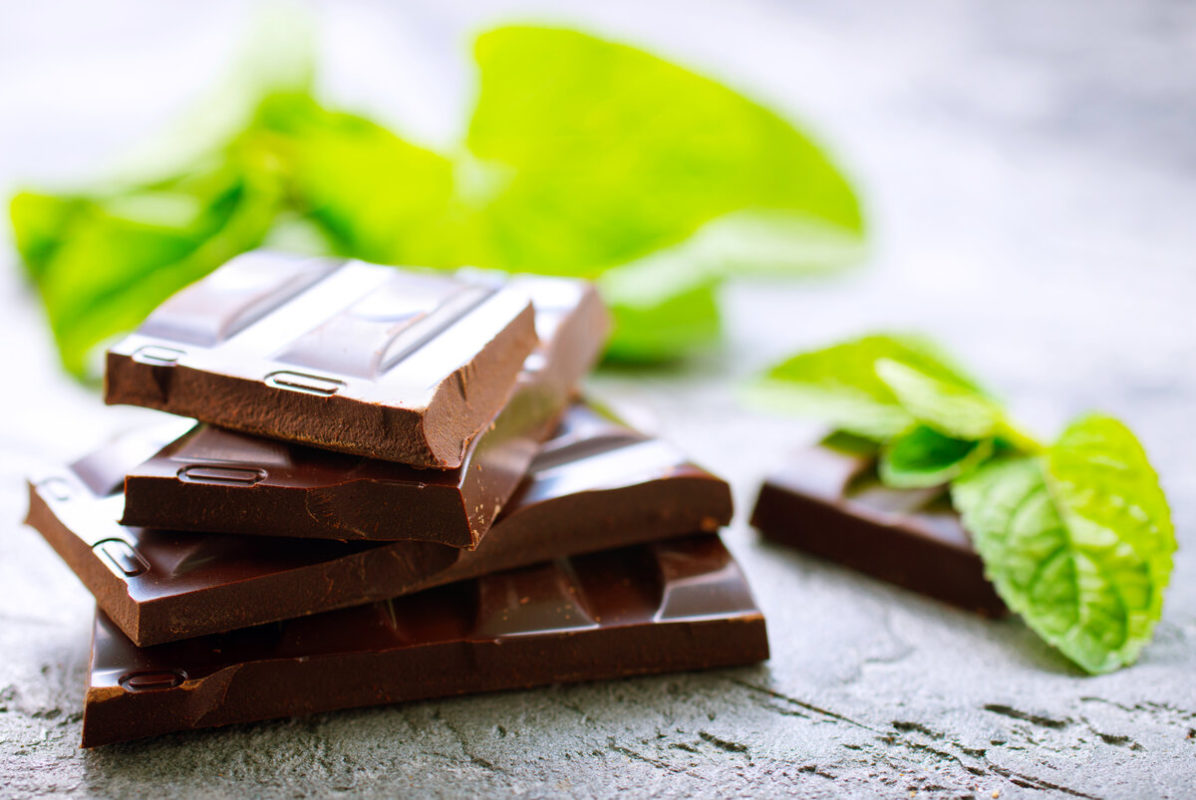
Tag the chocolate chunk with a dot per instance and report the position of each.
(829, 502)
(399, 365)
(676, 605)
(216, 480)
(596, 485)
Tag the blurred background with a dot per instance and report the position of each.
(1026, 177)
(1023, 173)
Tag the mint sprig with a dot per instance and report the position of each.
(1076, 537)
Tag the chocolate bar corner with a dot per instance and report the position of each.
(829, 502)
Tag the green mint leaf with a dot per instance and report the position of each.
(114, 259)
(379, 198)
(768, 242)
(1078, 541)
(840, 384)
(850, 443)
(613, 153)
(662, 309)
(38, 222)
(924, 457)
(952, 407)
(664, 304)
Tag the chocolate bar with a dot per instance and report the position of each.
(676, 605)
(830, 502)
(399, 365)
(216, 480)
(596, 485)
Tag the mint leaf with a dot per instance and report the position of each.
(661, 308)
(841, 386)
(766, 242)
(1079, 542)
(952, 407)
(113, 259)
(850, 443)
(924, 457)
(380, 198)
(612, 153)
(664, 304)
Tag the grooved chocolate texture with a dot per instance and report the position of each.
(830, 503)
(595, 485)
(221, 481)
(674, 605)
(393, 364)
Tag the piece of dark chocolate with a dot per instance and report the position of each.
(676, 605)
(596, 485)
(399, 365)
(830, 502)
(221, 481)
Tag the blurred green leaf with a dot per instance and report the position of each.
(112, 260)
(665, 303)
(952, 408)
(614, 153)
(924, 457)
(379, 198)
(840, 385)
(661, 309)
(610, 163)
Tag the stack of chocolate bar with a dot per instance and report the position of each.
(392, 493)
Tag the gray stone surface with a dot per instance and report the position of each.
(1030, 172)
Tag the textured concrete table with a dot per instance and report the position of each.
(1031, 172)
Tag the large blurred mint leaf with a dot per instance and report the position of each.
(610, 160)
(665, 303)
(840, 384)
(379, 198)
(613, 153)
(661, 308)
(112, 259)
(1079, 542)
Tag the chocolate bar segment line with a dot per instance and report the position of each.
(191, 584)
(221, 481)
(677, 605)
(830, 503)
(375, 361)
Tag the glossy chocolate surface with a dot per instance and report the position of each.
(595, 485)
(829, 502)
(676, 605)
(216, 480)
(399, 365)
